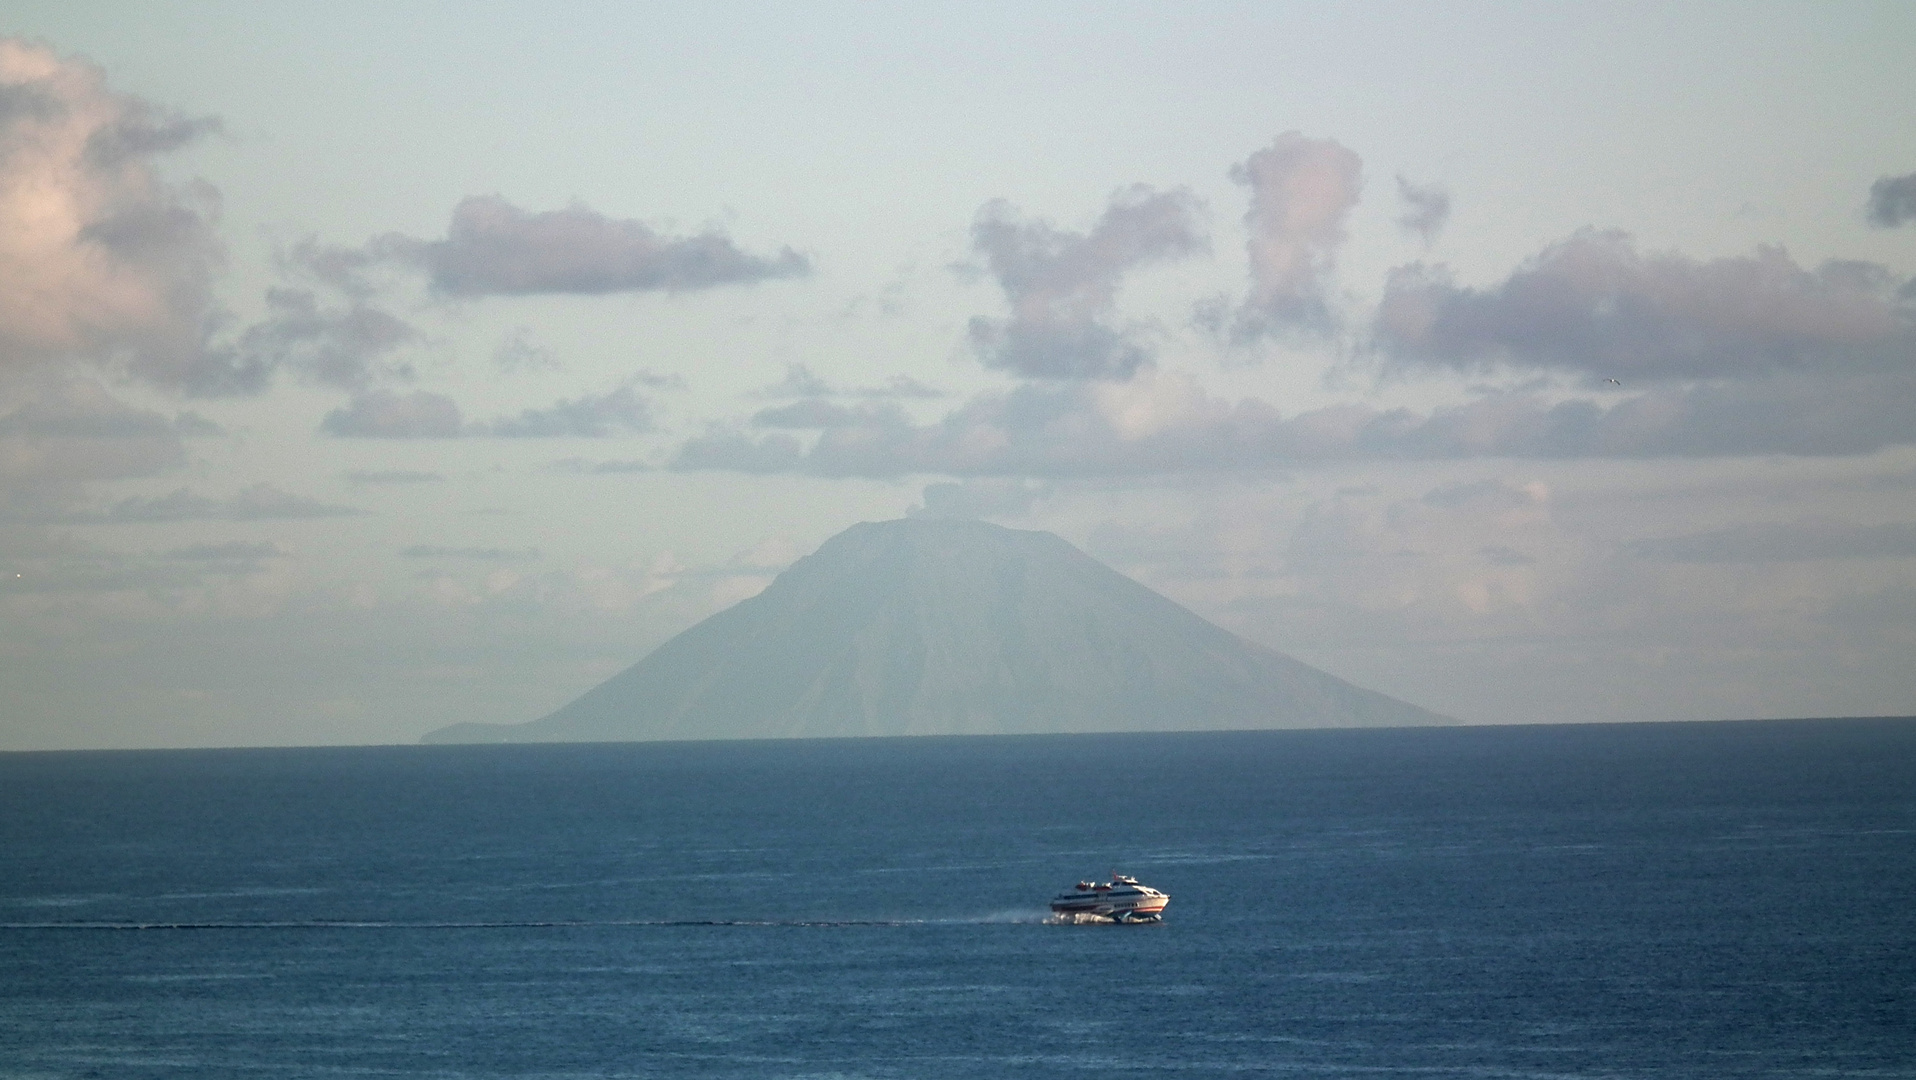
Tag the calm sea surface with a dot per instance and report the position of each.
(1696, 900)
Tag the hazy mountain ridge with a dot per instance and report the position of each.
(923, 627)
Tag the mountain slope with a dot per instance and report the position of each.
(922, 627)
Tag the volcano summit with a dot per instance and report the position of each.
(938, 627)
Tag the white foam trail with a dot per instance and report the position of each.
(1005, 917)
(1011, 915)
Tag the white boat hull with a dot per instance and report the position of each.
(1123, 900)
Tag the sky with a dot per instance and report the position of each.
(367, 368)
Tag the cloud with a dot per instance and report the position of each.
(732, 451)
(1164, 424)
(655, 381)
(332, 346)
(582, 467)
(261, 502)
(517, 352)
(232, 558)
(992, 497)
(1302, 190)
(83, 410)
(1596, 306)
(818, 413)
(900, 386)
(1482, 495)
(231, 551)
(1426, 208)
(423, 551)
(421, 414)
(386, 414)
(101, 261)
(68, 432)
(1062, 286)
(1778, 542)
(345, 269)
(589, 416)
(393, 476)
(493, 248)
(800, 382)
(1892, 201)
(1500, 555)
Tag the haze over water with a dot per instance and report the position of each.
(1723, 900)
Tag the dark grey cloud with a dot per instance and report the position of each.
(1062, 286)
(347, 270)
(590, 416)
(230, 551)
(65, 417)
(653, 380)
(421, 414)
(141, 129)
(812, 413)
(76, 568)
(65, 433)
(234, 558)
(582, 467)
(1781, 542)
(1166, 425)
(900, 386)
(260, 502)
(1499, 555)
(1596, 306)
(801, 382)
(344, 347)
(217, 370)
(480, 554)
(1302, 190)
(1892, 201)
(101, 260)
(393, 476)
(493, 248)
(731, 451)
(192, 425)
(27, 101)
(1426, 208)
(387, 414)
(517, 352)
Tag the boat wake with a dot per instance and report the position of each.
(1078, 918)
(513, 924)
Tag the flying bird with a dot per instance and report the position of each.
(1613, 382)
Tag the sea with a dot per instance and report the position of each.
(1551, 901)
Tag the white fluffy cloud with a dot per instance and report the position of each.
(1062, 286)
(1302, 190)
(102, 260)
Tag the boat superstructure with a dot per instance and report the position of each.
(1122, 900)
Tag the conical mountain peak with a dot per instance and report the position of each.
(943, 627)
